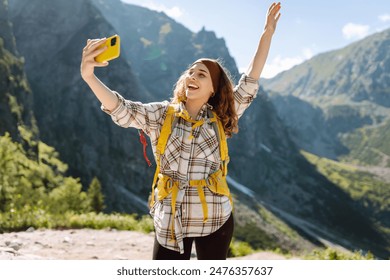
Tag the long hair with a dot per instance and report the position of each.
(222, 101)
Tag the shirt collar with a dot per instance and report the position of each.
(202, 112)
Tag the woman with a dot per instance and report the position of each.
(191, 201)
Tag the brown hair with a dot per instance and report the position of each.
(222, 101)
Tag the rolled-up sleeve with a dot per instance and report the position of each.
(244, 93)
(145, 116)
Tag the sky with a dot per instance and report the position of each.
(305, 29)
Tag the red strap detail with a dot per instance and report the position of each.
(144, 143)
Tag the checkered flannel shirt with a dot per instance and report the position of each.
(185, 158)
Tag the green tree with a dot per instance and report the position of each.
(95, 196)
(7, 170)
(68, 197)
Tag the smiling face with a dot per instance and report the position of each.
(199, 85)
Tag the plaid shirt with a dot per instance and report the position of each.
(185, 158)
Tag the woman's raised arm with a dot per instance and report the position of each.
(257, 64)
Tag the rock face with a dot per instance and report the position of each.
(51, 35)
(16, 110)
(158, 48)
(51, 40)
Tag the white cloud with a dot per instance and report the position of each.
(384, 17)
(173, 12)
(307, 53)
(355, 31)
(279, 63)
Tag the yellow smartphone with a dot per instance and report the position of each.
(113, 49)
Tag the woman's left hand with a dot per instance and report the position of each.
(273, 16)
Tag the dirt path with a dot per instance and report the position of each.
(86, 244)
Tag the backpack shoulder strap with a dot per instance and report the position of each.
(221, 136)
(166, 130)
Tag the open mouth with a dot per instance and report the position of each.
(192, 87)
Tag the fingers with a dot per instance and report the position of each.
(93, 44)
(96, 52)
(277, 17)
(93, 48)
(101, 64)
(271, 7)
(273, 17)
(274, 11)
(278, 7)
(275, 8)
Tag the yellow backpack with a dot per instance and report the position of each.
(216, 182)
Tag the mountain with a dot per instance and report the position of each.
(358, 72)
(282, 181)
(329, 97)
(16, 99)
(51, 38)
(286, 191)
(336, 106)
(158, 48)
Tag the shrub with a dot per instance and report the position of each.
(334, 254)
(239, 249)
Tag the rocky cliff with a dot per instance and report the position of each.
(16, 99)
(51, 38)
(159, 48)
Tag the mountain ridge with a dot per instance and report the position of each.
(307, 79)
(347, 89)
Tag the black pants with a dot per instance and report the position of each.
(211, 247)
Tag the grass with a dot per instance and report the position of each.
(22, 220)
(369, 145)
(365, 188)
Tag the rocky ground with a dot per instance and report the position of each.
(86, 244)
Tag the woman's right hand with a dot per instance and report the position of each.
(88, 63)
(273, 16)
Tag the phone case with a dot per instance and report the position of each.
(112, 51)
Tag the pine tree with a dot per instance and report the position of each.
(95, 196)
